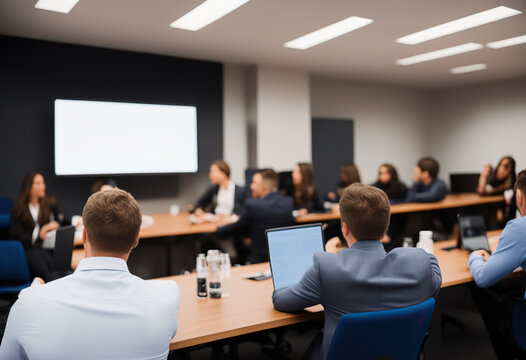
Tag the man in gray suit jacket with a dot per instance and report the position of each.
(362, 277)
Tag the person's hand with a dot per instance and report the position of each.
(199, 212)
(38, 280)
(335, 209)
(47, 228)
(302, 212)
(386, 239)
(333, 245)
(486, 171)
(483, 253)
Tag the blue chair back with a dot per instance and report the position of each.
(518, 323)
(392, 334)
(6, 204)
(14, 272)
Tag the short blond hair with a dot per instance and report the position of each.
(112, 220)
(366, 211)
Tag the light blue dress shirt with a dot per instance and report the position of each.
(510, 254)
(101, 311)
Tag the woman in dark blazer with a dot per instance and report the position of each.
(34, 218)
(305, 196)
(223, 197)
(389, 182)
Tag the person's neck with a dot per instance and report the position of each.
(34, 200)
(427, 181)
(224, 184)
(88, 252)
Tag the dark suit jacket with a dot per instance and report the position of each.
(208, 201)
(362, 278)
(258, 215)
(23, 229)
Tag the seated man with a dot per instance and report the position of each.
(101, 311)
(495, 303)
(427, 187)
(362, 277)
(268, 209)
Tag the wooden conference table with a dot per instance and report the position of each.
(249, 307)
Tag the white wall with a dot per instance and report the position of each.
(283, 118)
(473, 125)
(388, 122)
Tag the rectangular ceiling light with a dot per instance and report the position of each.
(468, 68)
(439, 54)
(206, 13)
(61, 6)
(507, 42)
(328, 33)
(468, 22)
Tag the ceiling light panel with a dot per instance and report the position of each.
(440, 54)
(507, 42)
(461, 24)
(328, 33)
(206, 13)
(468, 68)
(61, 6)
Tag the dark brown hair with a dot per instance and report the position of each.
(430, 165)
(112, 220)
(270, 177)
(305, 192)
(521, 182)
(493, 181)
(366, 211)
(352, 173)
(20, 208)
(223, 167)
(395, 181)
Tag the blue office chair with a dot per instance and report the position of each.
(518, 323)
(14, 272)
(394, 334)
(5, 212)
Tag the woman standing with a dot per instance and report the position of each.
(34, 221)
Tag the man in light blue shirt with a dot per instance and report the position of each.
(101, 311)
(495, 304)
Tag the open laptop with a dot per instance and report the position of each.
(463, 183)
(473, 233)
(63, 248)
(291, 250)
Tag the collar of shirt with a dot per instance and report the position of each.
(34, 209)
(102, 263)
(367, 245)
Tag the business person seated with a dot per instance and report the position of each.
(223, 197)
(101, 311)
(363, 277)
(305, 195)
(266, 209)
(349, 175)
(389, 182)
(497, 182)
(494, 295)
(34, 220)
(427, 186)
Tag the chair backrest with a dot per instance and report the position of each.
(518, 323)
(5, 205)
(388, 334)
(13, 263)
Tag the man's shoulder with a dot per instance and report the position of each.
(515, 227)
(408, 255)
(167, 288)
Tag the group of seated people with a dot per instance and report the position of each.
(102, 285)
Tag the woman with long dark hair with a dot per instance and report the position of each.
(305, 195)
(389, 182)
(495, 182)
(349, 175)
(34, 220)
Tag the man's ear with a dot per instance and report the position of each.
(84, 235)
(345, 229)
(135, 243)
(520, 199)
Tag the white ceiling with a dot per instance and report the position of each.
(254, 35)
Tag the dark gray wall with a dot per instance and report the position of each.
(34, 73)
(332, 146)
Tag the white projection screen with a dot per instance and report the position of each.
(110, 138)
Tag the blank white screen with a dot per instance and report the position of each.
(291, 252)
(95, 137)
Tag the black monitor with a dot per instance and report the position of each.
(464, 183)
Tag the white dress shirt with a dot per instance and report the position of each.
(226, 199)
(101, 311)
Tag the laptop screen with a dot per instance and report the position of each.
(291, 250)
(473, 233)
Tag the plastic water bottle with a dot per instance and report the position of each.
(407, 242)
(202, 276)
(225, 274)
(214, 273)
(425, 241)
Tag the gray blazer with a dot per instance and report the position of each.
(362, 278)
